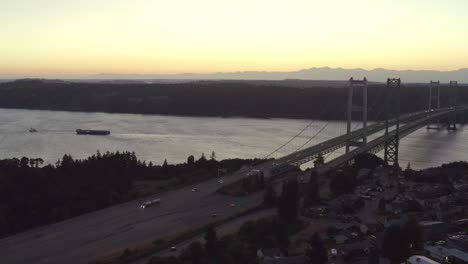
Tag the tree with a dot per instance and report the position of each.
(202, 158)
(269, 197)
(367, 160)
(408, 166)
(210, 241)
(373, 257)
(413, 233)
(312, 194)
(382, 205)
(343, 182)
(319, 161)
(280, 230)
(316, 250)
(165, 166)
(395, 245)
(196, 252)
(213, 156)
(288, 203)
(190, 160)
(24, 162)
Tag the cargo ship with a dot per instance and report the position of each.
(92, 132)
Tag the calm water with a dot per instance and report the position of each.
(155, 138)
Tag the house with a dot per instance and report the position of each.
(363, 173)
(371, 228)
(354, 250)
(443, 254)
(341, 239)
(286, 260)
(394, 220)
(433, 230)
(420, 260)
(458, 241)
(269, 253)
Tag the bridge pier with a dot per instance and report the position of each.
(392, 110)
(452, 120)
(353, 86)
(434, 96)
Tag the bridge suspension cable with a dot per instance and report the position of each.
(300, 133)
(290, 140)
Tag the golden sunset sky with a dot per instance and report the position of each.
(75, 38)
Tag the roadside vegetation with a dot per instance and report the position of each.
(31, 195)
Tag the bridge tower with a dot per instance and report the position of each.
(353, 87)
(434, 101)
(392, 110)
(453, 93)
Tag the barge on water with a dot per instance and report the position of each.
(92, 132)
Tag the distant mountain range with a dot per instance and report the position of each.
(324, 73)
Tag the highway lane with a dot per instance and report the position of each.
(86, 238)
(222, 230)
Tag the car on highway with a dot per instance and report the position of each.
(232, 205)
(214, 215)
(195, 190)
(150, 203)
(221, 181)
(173, 248)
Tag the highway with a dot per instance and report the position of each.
(87, 238)
(230, 227)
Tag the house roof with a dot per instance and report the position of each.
(286, 260)
(421, 260)
(447, 252)
(429, 223)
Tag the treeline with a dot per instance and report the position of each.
(208, 98)
(31, 195)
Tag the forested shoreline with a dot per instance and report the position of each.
(208, 98)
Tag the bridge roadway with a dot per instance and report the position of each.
(310, 153)
(378, 144)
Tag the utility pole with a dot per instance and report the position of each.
(392, 110)
(352, 87)
(434, 96)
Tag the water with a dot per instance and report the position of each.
(155, 138)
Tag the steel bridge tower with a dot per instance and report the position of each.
(353, 86)
(453, 93)
(434, 100)
(392, 110)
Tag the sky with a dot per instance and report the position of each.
(77, 38)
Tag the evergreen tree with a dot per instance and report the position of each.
(312, 194)
(211, 240)
(165, 166)
(202, 158)
(288, 203)
(196, 252)
(190, 160)
(413, 233)
(395, 245)
(319, 161)
(382, 205)
(269, 198)
(316, 250)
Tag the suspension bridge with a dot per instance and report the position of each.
(387, 133)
